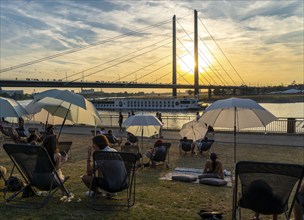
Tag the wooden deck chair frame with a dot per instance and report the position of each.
(13, 200)
(129, 198)
(66, 146)
(258, 170)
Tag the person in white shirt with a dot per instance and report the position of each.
(112, 173)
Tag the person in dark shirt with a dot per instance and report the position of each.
(120, 121)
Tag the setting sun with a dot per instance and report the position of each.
(186, 63)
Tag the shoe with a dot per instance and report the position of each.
(89, 193)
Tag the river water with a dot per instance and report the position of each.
(174, 119)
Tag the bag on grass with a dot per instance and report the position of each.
(210, 215)
(14, 184)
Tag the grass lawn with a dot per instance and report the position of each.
(155, 199)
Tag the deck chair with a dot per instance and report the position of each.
(186, 145)
(132, 139)
(162, 157)
(131, 149)
(38, 172)
(266, 187)
(205, 145)
(112, 141)
(117, 170)
(66, 146)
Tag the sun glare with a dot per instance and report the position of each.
(186, 63)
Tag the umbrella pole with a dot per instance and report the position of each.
(234, 134)
(63, 121)
(47, 121)
(142, 145)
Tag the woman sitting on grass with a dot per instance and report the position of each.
(214, 166)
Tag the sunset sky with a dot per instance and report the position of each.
(262, 39)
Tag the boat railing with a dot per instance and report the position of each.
(173, 122)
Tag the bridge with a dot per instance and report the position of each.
(211, 76)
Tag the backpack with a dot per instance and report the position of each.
(14, 184)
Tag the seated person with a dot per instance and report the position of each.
(102, 131)
(112, 138)
(183, 141)
(131, 138)
(298, 210)
(259, 196)
(33, 139)
(204, 144)
(158, 151)
(20, 130)
(50, 130)
(50, 144)
(112, 174)
(214, 166)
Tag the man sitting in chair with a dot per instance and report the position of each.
(112, 138)
(157, 152)
(185, 141)
(298, 210)
(111, 174)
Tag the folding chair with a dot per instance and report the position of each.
(38, 172)
(266, 187)
(117, 170)
(205, 145)
(162, 156)
(131, 149)
(66, 146)
(186, 145)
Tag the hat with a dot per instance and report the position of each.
(158, 142)
(213, 156)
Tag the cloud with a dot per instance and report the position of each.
(250, 33)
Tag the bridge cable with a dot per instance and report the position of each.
(116, 64)
(217, 61)
(200, 56)
(125, 55)
(200, 66)
(84, 47)
(222, 51)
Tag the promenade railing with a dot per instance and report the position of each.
(173, 122)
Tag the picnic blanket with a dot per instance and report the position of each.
(191, 172)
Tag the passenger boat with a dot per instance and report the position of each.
(164, 104)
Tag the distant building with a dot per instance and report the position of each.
(11, 92)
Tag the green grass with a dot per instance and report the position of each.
(155, 199)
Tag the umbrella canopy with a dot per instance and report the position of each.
(194, 130)
(66, 97)
(143, 125)
(38, 114)
(248, 114)
(70, 106)
(60, 110)
(11, 108)
(237, 114)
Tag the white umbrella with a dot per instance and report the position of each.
(11, 108)
(194, 130)
(38, 114)
(143, 125)
(70, 106)
(237, 114)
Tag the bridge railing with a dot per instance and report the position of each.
(281, 125)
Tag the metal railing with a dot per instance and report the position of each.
(172, 122)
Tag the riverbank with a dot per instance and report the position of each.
(155, 198)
